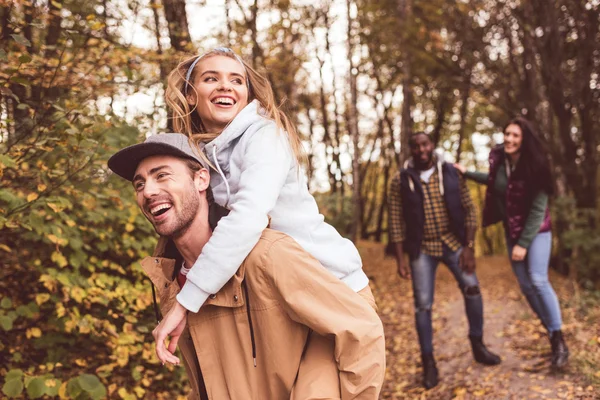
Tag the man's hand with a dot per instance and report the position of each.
(403, 269)
(460, 168)
(518, 253)
(172, 325)
(467, 260)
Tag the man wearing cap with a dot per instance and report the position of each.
(247, 340)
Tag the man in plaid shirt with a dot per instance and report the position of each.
(433, 219)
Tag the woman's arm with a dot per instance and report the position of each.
(534, 220)
(267, 161)
(479, 177)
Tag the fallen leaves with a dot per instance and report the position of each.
(511, 330)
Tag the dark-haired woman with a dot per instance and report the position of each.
(519, 184)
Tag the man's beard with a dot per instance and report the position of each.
(182, 219)
(420, 164)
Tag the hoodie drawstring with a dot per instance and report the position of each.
(214, 151)
(156, 314)
(250, 322)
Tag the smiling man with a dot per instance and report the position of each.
(249, 339)
(432, 218)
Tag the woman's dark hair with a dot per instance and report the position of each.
(533, 162)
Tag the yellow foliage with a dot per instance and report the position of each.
(129, 227)
(49, 282)
(122, 356)
(60, 310)
(62, 392)
(139, 391)
(32, 196)
(42, 298)
(59, 259)
(41, 187)
(56, 240)
(33, 332)
(77, 294)
(81, 362)
(5, 248)
(70, 325)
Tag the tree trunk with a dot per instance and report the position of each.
(464, 108)
(176, 17)
(353, 128)
(405, 14)
(326, 125)
(337, 131)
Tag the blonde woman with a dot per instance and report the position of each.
(229, 112)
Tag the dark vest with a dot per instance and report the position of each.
(519, 199)
(413, 210)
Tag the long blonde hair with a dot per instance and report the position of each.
(187, 121)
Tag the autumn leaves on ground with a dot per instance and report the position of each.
(511, 330)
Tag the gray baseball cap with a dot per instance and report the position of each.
(125, 162)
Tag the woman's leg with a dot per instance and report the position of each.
(538, 259)
(520, 269)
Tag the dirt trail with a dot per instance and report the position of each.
(511, 330)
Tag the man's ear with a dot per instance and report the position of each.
(202, 179)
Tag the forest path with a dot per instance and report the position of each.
(510, 330)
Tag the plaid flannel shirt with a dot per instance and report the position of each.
(436, 230)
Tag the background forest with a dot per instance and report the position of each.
(79, 80)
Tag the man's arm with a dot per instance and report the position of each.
(397, 226)
(312, 296)
(467, 258)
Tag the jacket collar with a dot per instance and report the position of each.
(160, 269)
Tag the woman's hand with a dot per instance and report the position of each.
(460, 168)
(172, 325)
(518, 253)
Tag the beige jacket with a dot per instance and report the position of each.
(257, 355)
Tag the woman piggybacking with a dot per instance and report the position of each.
(228, 110)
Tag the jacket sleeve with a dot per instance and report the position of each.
(312, 296)
(479, 177)
(396, 218)
(534, 220)
(266, 163)
(468, 205)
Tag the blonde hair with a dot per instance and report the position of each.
(187, 121)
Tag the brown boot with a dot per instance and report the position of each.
(560, 352)
(430, 371)
(481, 354)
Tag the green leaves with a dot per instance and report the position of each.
(86, 383)
(6, 303)
(36, 388)
(13, 387)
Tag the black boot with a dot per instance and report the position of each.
(560, 352)
(430, 371)
(481, 354)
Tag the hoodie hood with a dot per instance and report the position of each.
(249, 115)
(219, 150)
(438, 160)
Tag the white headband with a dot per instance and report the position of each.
(221, 49)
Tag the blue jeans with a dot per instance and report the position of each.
(532, 274)
(423, 269)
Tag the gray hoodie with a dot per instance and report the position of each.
(257, 178)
